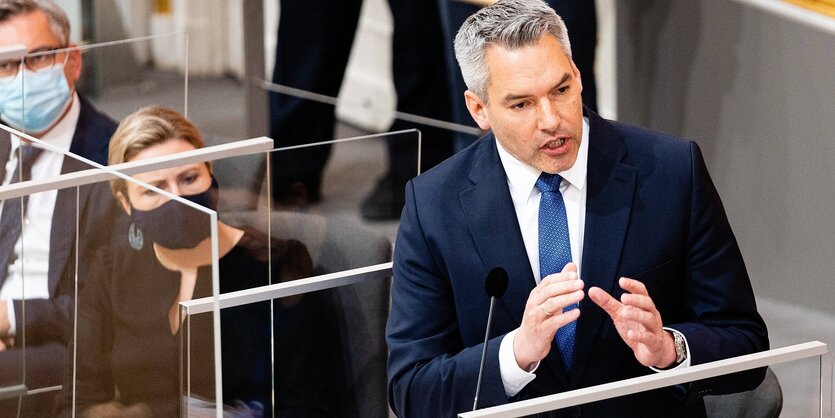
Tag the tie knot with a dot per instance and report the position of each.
(548, 182)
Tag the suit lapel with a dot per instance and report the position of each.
(611, 187)
(491, 219)
(63, 234)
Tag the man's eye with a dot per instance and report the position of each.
(520, 105)
(189, 179)
(9, 65)
(562, 90)
(38, 59)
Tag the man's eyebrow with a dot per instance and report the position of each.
(45, 48)
(513, 97)
(565, 77)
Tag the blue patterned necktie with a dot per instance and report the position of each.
(10, 219)
(555, 251)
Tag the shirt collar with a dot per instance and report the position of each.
(60, 136)
(521, 177)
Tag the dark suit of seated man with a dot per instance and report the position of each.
(49, 109)
(632, 229)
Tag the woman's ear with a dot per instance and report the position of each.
(124, 201)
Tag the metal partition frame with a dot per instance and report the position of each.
(94, 175)
(291, 288)
(670, 378)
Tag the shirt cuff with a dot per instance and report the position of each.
(12, 318)
(513, 377)
(686, 362)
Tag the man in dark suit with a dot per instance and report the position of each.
(35, 325)
(578, 210)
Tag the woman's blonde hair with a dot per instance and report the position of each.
(148, 126)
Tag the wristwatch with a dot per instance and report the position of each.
(681, 347)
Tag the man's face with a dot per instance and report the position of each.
(534, 106)
(32, 31)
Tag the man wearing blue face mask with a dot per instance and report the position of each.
(37, 96)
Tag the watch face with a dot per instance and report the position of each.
(681, 349)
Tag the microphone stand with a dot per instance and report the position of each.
(484, 352)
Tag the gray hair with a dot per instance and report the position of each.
(510, 24)
(58, 22)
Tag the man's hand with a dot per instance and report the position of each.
(638, 323)
(4, 318)
(544, 316)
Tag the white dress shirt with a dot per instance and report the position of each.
(32, 247)
(521, 180)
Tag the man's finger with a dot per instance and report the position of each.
(632, 286)
(604, 300)
(570, 267)
(641, 302)
(557, 303)
(569, 272)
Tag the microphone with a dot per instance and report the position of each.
(495, 286)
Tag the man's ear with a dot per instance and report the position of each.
(576, 72)
(74, 63)
(478, 110)
(124, 201)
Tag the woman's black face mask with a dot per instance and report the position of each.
(174, 225)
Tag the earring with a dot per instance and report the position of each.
(135, 238)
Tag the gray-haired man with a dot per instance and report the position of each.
(578, 210)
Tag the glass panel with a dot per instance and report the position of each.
(357, 166)
(69, 226)
(377, 174)
(285, 245)
(119, 82)
(791, 386)
(327, 351)
(801, 391)
(38, 253)
(129, 352)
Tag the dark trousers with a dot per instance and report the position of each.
(45, 367)
(314, 42)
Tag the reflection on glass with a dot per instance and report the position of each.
(38, 246)
(130, 352)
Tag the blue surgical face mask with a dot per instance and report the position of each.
(33, 101)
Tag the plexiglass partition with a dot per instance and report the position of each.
(326, 352)
(118, 81)
(102, 333)
(39, 253)
(811, 362)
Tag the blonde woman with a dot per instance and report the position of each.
(129, 337)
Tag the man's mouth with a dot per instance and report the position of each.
(555, 143)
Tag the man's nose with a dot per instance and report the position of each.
(549, 117)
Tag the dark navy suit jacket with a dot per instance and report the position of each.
(46, 320)
(652, 213)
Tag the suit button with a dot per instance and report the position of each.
(576, 412)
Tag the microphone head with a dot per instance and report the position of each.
(496, 283)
